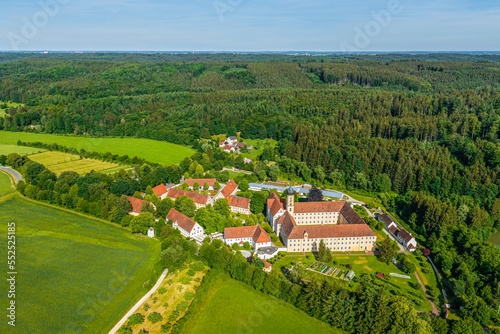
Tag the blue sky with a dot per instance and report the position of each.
(250, 25)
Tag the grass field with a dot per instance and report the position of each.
(59, 162)
(5, 185)
(74, 274)
(233, 307)
(258, 147)
(22, 150)
(150, 150)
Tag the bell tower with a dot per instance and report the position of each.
(290, 200)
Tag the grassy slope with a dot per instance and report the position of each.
(22, 150)
(75, 274)
(233, 307)
(5, 185)
(151, 150)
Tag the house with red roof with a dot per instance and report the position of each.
(188, 227)
(160, 191)
(402, 236)
(200, 200)
(236, 203)
(201, 183)
(137, 205)
(255, 235)
(231, 144)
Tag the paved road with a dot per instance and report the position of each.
(15, 174)
(139, 303)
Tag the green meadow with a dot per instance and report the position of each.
(22, 150)
(74, 274)
(151, 150)
(233, 307)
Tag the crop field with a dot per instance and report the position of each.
(22, 150)
(241, 309)
(74, 274)
(59, 162)
(151, 150)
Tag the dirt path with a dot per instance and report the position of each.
(139, 303)
(434, 308)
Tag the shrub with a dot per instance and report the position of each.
(166, 327)
(136, 319)
(162, 291)
(155, 317)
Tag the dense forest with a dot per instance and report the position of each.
(422, 132)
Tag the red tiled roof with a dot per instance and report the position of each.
(197, 198)
(304, 207)
(294, 231)
(160, 190)
(184, 222)
(267, 265)
(201, 182)
(350, 215)
(136, 204)
(261, 236)
(239, 202)
(257, 233)
(274, 203)
(394, 230)
(404, 235)
(228, 148)
(385, 219)
(229, 188)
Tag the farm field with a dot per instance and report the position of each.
(58, 162)
(241, 309)
(21, 150)
(5, 185)
(368, 265)
(151, 150)
(74, 274)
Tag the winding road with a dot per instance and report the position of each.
(139, 303)
(14, 173)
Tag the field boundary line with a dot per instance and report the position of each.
(139, 303)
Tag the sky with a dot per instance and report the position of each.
(250, 25)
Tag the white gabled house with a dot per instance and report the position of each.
(188, 227)
(254, 235)
(404, 237)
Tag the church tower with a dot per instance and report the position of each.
(290, 199)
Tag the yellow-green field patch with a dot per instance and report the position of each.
(59, 162)
(22, 150)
